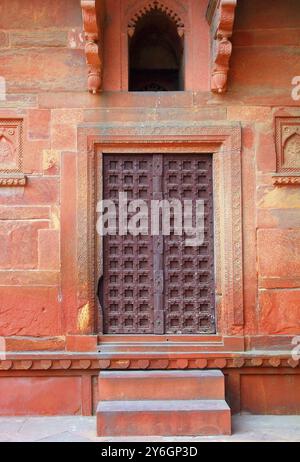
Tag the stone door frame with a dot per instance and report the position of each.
(223, 140)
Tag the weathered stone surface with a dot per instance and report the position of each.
(36, 14)
(18, 244)
(4, 40)
(49, 249)
(29, 278)
(39, 38)
(24, 213)
(249, 113)
(279, 312)
(40, 396)
(40, 191)
(278, 253)
(39, 124)
(43, 69)
(30, 311)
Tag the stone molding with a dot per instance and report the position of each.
(80, 363)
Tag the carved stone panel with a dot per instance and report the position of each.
(288, 150)
(11, 153)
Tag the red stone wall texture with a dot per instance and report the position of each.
(43, 62)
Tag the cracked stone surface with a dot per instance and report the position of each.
(83, 429)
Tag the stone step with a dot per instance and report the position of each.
(163, 418)
(161, 385)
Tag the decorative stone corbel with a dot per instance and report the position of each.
(220, 15)
(92, 25)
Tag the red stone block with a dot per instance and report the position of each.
(271, 394)
(64, 137)
(34, 396)
(39, 38)
(255, 15)
(49, 249)
(278, 253)
(163, 418)
(248, 113)
(37, 14)
(276, 37)
(29, 278)
(14, 344)
(173, 385)
(24, 213)
(4, 40)
(265, 71)
(18, 244)
(248, 136)
(265, 151)
(30, 311)
(43, 69)
(38, 191)
(81, 343)
(279, 312)
(39, 124)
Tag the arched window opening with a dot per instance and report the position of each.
(156, 55)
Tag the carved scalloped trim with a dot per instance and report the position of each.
(222, 21)
(93, 50)
(12, 180)
(156, 5)
(286, 180)
(84, 363)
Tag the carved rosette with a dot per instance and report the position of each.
(93, 46)
(221, 20)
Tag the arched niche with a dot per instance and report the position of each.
(156, 52)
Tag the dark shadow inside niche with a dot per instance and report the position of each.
(156, 55)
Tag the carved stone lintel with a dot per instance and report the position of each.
(221, 16)
(94, 41)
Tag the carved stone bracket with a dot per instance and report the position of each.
(11, 153)
(220, 15)
(92, 25)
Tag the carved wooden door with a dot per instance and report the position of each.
(158, 284)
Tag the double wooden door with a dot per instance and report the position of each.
(158, 284)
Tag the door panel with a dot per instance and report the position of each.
(128, 260)
(158, 285)
(189, 271)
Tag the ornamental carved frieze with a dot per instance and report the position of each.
(287, 151)
(11, 152)
(221, 15)
(150, 6)
(92, 15)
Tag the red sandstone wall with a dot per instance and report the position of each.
(43, 62)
